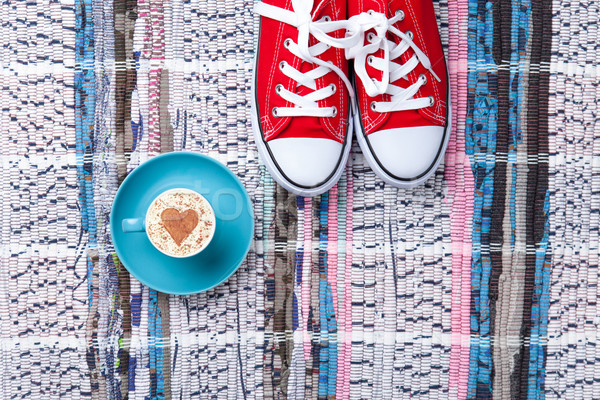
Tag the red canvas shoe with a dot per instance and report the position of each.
(403, 98)
(301, 109)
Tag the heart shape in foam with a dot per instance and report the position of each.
(179, 224)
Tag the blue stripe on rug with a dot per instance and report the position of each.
(480, 133)
(155, 351)
(328, 349)
(85, 106)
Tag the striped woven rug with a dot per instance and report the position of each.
(482, 284)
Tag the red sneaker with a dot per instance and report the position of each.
(403, 98)
(301, 104)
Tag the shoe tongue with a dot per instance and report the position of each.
(319, 9)
(403, 59)
(304, 68)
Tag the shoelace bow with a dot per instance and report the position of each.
(401, 98)
(353, 44)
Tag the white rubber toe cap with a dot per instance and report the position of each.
(407, 153)
(306, 162)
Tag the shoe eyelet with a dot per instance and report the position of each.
(275, 113)
(431, 101)
(287, 43)
(373, 106)
(370, 12)
(333, 88)
(282, 65)
(278, 88)
(371, 37)
(335, 111)
(401, 13)
(370, 60)
(327, 18)
(423, 78)
(409, 34)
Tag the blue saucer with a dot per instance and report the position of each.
(234, 223)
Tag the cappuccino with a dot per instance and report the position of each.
(180, 222)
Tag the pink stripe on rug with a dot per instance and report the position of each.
(154, 112)
(461, 187)
(345, 319)
(332, 244)
(154, 48)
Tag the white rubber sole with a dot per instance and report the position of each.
(278, 176)
(372, 161)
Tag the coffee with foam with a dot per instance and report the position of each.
(180, 222)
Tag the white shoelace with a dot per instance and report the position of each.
(401, 98)
(301, 18)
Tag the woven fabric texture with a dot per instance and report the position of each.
(481, 284)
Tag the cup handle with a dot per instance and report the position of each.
(133, 225)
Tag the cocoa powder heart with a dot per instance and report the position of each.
(179, 224)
